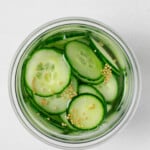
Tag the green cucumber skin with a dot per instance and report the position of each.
(104, 114)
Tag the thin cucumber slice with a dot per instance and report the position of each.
(64, 117)
(109, 90)
(47, 73)
(91, 90)
(60, 35)
(84, 40)
(83, 60)
(60, 44)
(40, 121)
(109, 107)
(115, 47)
(105, 54)
(58, 103)
(86, 111)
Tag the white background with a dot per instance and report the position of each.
(131, 20)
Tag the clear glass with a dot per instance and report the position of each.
(112, 124)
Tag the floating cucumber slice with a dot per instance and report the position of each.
(105, 55)
(47, 73)
(86, 111)
(83, 60)
(114, 47)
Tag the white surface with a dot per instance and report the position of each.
(130, 18)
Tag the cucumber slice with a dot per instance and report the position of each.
(60, 44)
(117, 49)
(65, 120)
(109, 90)
(83, 60)
(105, 55)
(91, 90)
(58, 103)
(53, 119)
(47, 73)
(86, 111)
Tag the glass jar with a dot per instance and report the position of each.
(113, 123)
